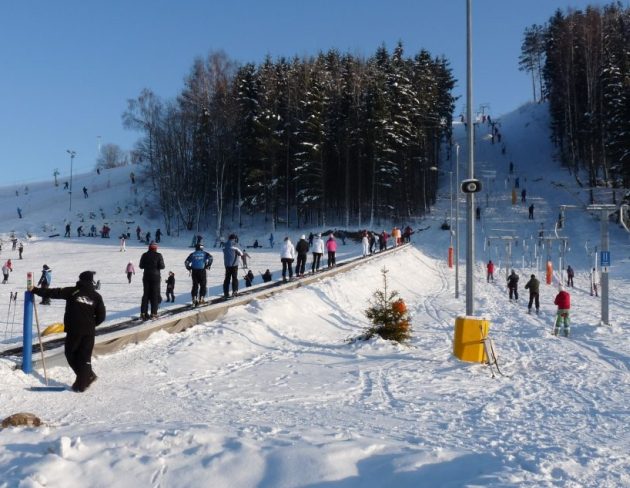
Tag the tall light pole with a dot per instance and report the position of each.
(470, 197)
(457, 222)
(72, 155)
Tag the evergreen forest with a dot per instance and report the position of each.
(323, 140)
(579, 61)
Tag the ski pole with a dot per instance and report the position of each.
(39, 337)
(6, 327)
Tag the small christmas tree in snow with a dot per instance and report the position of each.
(388, 314)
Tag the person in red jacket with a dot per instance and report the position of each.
(490, 267)
(563, 301)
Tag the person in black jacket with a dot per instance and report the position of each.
(512, 284)
(301, 248)
(84, 311)
(151, 262)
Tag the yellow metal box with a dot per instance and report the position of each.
(468, 340)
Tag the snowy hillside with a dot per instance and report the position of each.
(275, 395)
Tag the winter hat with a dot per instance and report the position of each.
(46, 267)
(87, 276)
(199, 246)
(153, 246)
(533, 276)
(232, 237)
(303, 236)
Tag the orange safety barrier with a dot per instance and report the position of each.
(450, 256)
(549, 274)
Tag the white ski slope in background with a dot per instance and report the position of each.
(274, 395)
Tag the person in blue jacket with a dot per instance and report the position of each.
(197, 263)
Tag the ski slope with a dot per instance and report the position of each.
(276, 394)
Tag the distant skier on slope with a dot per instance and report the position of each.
(512, 284)
(533, 285)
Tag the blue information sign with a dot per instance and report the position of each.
(604, 259)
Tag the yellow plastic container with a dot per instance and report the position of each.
(469, 334)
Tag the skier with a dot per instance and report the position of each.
(249, 278)
(570, 275)
(533, 285)
(138, 232)
(80, 231)
(563, 301)
(44, 282)
(151, 262)
(197, 263)
(158, 235)
(130, 270)
(382, 241)
(170, 287)
(123, 243)
(396, 235)
(266, 276)
(512, 284)
(524, 195)
(19, 211)
(20, 250)
(302, 253)
(490, 271)
(287, 255)
(407, 234)
(531, 212)
(231, 255)
(6, 269)
(511, 167)
(84, 311)
(85, 193)
(372, 239)
(318, 252)
(365, 243)
(594, 282)
(331, 247)
(310, 239)
(271, 240)
(67, 234)
(93, 231)
(244, 258)
(132, 176)
(147, 237)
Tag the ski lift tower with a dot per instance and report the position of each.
(509, 240)
(604, 255)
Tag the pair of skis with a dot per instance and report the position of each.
(491, 356)
(12, 304)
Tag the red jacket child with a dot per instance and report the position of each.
(563, 300)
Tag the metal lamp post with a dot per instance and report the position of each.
(457, 223)
(470, 197)
(72, 155)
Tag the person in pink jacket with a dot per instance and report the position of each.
(130, 270)
(331, 247)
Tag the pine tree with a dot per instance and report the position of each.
(388, 314)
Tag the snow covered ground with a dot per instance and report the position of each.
(275, 395)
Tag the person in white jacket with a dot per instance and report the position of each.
(318, 252)
(365, 242)
(287, 255)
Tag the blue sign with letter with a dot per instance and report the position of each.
(604, 259)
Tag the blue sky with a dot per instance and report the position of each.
(69, 66)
